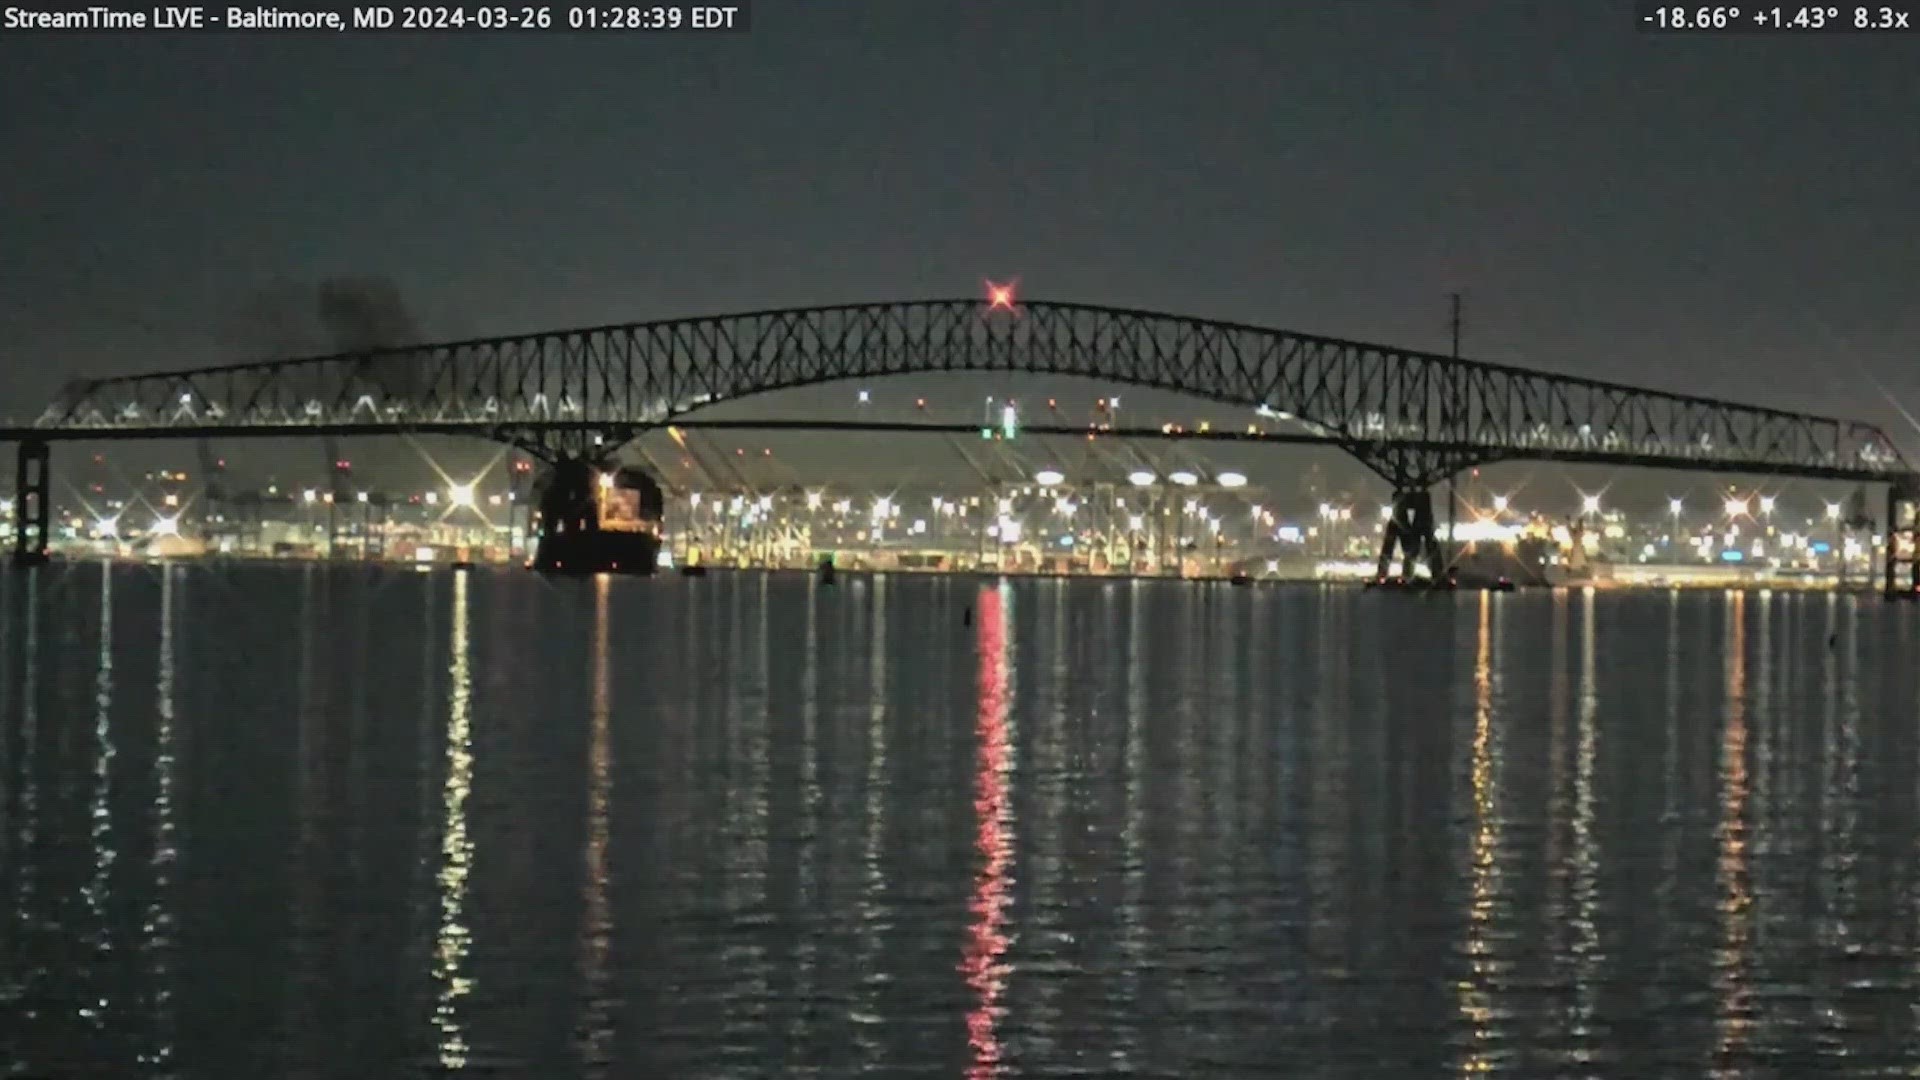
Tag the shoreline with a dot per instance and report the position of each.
(1852, 587)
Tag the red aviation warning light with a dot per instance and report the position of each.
(1000, 297)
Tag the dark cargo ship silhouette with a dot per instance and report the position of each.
(594, 521)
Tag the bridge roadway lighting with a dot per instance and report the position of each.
(1231, 480)
(1141, 478)
(1049, 477)
(1833, 511)
(309, 496)
(1184, 478)
(166, 526)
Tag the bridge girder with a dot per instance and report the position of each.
(1386, 406)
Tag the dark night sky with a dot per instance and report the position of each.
(1731, 216)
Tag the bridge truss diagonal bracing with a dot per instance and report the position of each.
(1413, 417)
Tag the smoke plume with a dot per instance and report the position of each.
(362, 314)
(339, 315)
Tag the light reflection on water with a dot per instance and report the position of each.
(455, 938)
(318, 821)
(596, 926)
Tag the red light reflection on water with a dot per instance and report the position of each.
(986, 941)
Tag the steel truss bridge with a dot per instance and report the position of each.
(1413, 417)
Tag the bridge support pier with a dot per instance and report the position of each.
(32, 503)
(1903, 543)
(1411, 527)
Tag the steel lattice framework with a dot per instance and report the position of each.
(1413, 417)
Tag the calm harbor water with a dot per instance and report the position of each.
(310, 821)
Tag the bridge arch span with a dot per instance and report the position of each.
(1412, 416)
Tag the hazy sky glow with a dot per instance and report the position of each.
(1725, 216)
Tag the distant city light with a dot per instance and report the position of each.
(106, 527)
(1231, 480)
(864, 397)
(1141, 478)
(309, 495)
(1590, 503)
(1766, 504)
(1674, 506)
(1049, 477)
(1000, 297)
(1833, 511)
(1500, 504)
(166, 526)
(1736, 507)
(462, 494)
